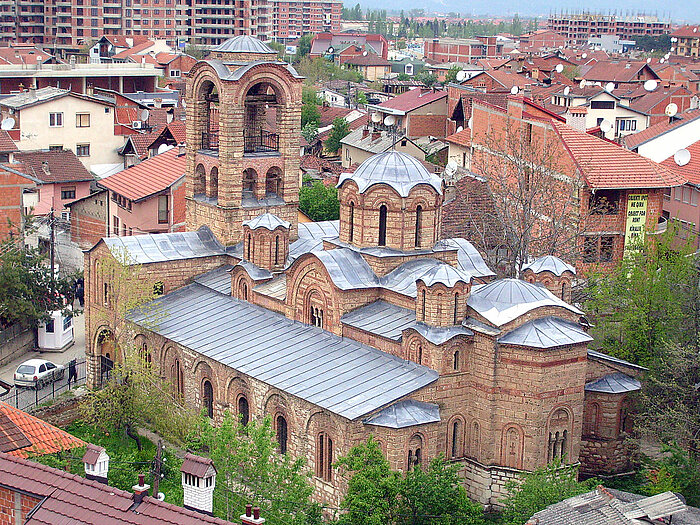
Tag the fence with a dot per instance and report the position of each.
(25, 398)
(12, 331)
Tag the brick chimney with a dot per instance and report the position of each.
(375, 135)
(252, 516)
(96, 463)
(140, 490)
(576, 117)
(198, 482)
(181, 149)
(365, 132)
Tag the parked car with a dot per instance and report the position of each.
(38, 372)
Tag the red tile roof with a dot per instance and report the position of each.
(25, 435)
(198, 466)
(133, 50)
(616, 71)
(123, 40)
(607, 165)
(149, 177)
(413, 99)
(24, 55)
(461, 138)
(368, 60)
(691, 171)
(329, 114)
(687, 31)
(506, 79)
(6, 143)
(311, 162)
(68, 498)
(637, 139)
(178, 131)
(53, 166)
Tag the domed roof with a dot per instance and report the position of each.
(549, 263)
(244, 44)
(266, 220)
(445, 274)
(399, 170)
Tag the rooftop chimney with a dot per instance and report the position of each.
(140, 490)
(198, 482)
(252, 516)
(96, 462)
(375, 135)
(181, 149)
(365, 132)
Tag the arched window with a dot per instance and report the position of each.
(213, 190)
(564, 290)
(282, 433)
(277, 249)
(422, 306)
(591, 413)
(250, 178)
(351, 224)
(625, 417)
(455, 360)
(244, 291)
(415, 452)
(456, 444)
(557, 445)
(474, 440)
(248, 246)
(208, 398)
(243, 410)
(382, 225)
(178, 378)
(273, 183)
(316, 316)
(144, 354)
(456, 309)
(419, 219)
(324, 457)
(420, 354)
(512, 445)
(200, 180)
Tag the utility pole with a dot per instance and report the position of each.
(52, 249)
(156, 468)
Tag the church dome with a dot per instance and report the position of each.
(445, 274)
(267, 221)
(244, 44)
(400, 171)
(549, 263)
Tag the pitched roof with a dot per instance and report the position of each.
(68, 498)
(413, 99)
(616, 71)
(7, 145)
(149, 177)
(53, 166)
(33, 97)
(615, 383)
(24, 435)
(506, 79)
(690, 171)
(369, 59)
(606, 165)
(198, 466)
(637, 139)
(461, 138)
(546, 332)
(687, 32)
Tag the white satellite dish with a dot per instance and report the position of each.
(609, 87)
(650, 85)
(582, 84)
(585, 55)
(567, 90)
(649, 60)
(376, 118)
(605, 126)
(667, 56)
(7, 123)
(661, 61)
(514, 90)
(330, 49)
(364, 53)
(461, 75)
(164, 147)
(470, 122)
(460, 128)
(671, 110)
(559, 68)
(390, 120)
(144, 115)
(682, 157)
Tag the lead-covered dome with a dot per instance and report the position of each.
(400, 171)
(244, 44)
(445, 274)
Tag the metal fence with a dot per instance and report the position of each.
(24, 398)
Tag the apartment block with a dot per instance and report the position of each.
(577, 28)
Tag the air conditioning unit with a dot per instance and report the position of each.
(137, 124)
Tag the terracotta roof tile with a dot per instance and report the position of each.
(637, 139)
(506, 79)
(149, 177)
(92, 454)
(133, 50)
(687, 31)
(413, 99)
(198, 466)
(53, 166)
(607, 165)
(6, 143)
(616, 71)
(691, 171)
(178, 131)
(461, 138)
(368, 60)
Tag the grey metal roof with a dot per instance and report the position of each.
(267, 221)
(341, 375)
(444, 274)
(275, 288)
(161, 247)
(255, 272)
(616, 383)
(218, 279)
(468, 256)
(319, 230)
(244, 44)
(506, 299)
(235, 71)
(440, 334)
(405, 413)
(347, 269)
(546, 332)
(398, 170)
(610, 359)
(549, 263)
(689, 516)
(369, 144)
(31, 97)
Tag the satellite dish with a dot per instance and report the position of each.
(667, 56)
(461, 75)
(7, 123)
(514, 90)
(671, 110)
(330, 49)
(567, 90)
(460, 128)
(470, 122)
(364, 53)
(376, 118)
(682, 157)
(585, 55)
(559, 68)
(649, 60)
(609, 87)
(144, 115)
(661, 61)
(582, 84)
(605, 126)
(650, 85)
(164, 147)
(390, 120)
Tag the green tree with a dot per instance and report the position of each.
(310, 114)
(304, 45)
(340, 130)
(251, 469)
(451, 75)
(196, 51)
(427, 78)
(318, 201)
(403, 76)
(571, 72)
(361, 97)
(309, 132)
(539, 489)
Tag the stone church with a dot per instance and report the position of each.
(370, 325)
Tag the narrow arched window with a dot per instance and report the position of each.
(419, 219)
(243, 410)
(420, 354)
(244, 294)
(455, 452)
(563, 291)
(455, 360)
(282, 434)
(422, 306)
(382, 225)
(208, 398)
(248, 245)
(277, 249)
(324, 457)
(456, 309)
(351, 225)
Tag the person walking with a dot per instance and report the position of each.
(72, 372)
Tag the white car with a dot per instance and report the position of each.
(38, 372)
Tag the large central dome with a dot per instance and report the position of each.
(244, 44)
(398, 170)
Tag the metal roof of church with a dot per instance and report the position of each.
(468, 257)
(616, 383)
(335, 373)
(444, 274)
(546, 332)
(266, 220)
(244, 44)
(549, 263)
(405, 413)
(218, 279)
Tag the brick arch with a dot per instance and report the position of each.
(200, 179)
(239, 277)
(143, 348)
(274, 181)
(474, 449)
(414, 450)
(456, 444)
(172, 359)
(559, 432)
(237, 387)
(379, 194)
(307, 268)
(512, 445)
(411, 348)
(101, 346)
(213, 183)
(201, 369)
(262, 74)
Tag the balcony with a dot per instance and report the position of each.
(660, 227)
(263, 143)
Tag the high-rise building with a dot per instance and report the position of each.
(577, 28)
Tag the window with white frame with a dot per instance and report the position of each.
(55, 120)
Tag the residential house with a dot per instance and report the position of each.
(13, 186)
(687, 41)
(419, 112)
(367, 141)
(619, 72)
(678, 75)
(372, 67)
(461, 49)
(88, 219)
(541, 40)
(348, 45)
(148, 197)
(107, 46)
(56, 119)
(497, 81)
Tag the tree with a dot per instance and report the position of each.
(571, 72)
(304, 45)
(196, 51)
(251, 470)
(451, 75)
(318, 201)
(310, 114)
(539, 489)
(310, 132)
(403, 76)
(340, 130)
(427, 78)
(361, 97)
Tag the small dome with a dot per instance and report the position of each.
(244, 44)
(549, 263)
(445, 274)
(399, 170)
(266, 220)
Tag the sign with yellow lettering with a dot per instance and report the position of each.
(636, 221)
